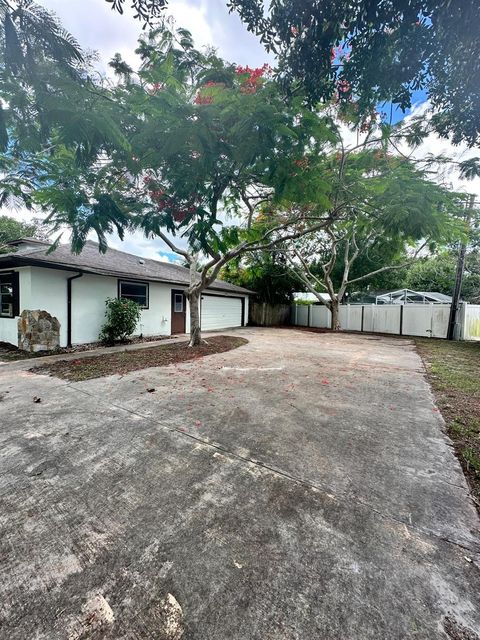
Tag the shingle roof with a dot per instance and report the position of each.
(112, 263)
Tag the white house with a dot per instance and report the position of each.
(73, 289)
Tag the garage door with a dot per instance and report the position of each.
(221, 313)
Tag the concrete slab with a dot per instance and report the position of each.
(299, 487)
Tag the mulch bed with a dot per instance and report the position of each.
(453, 370)
(10, 353)
(124, 361)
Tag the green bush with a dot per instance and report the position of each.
(122, 317)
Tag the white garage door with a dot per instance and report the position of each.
(221, 313)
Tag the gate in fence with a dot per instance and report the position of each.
(424, 320)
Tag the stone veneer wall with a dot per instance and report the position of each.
(38, 331)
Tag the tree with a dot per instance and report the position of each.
(12, 229)
(265, 272)
(387, 207)
(49, 101)
(438, 274)
(209, 144)
(378, 51)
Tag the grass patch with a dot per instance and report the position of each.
(454, 372)
(122, 362)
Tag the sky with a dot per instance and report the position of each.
(98, 28)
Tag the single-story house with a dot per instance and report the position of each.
(72, 289)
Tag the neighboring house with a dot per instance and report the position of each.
(73, 289)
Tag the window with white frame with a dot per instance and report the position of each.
(136, 291)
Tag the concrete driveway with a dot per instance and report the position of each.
(299, 487)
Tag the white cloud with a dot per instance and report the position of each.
(436, 146)
(138, 244)
(97, 27)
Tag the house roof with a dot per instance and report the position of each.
(112, 263)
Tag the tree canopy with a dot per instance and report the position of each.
(386, 211)
(13, 229)
(377, 52)
(202, 145)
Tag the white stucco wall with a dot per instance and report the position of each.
(46, 289)
(48, 292)
(89, 294)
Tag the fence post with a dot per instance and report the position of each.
(462, 332)
(363, 316)
(402, 306)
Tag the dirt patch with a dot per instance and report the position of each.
(132, 360)
(453, 370)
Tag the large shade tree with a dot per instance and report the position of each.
(376, 50)
(386, 206)
(208, 145)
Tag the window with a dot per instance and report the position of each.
(9, 295)
(136, 291)
(178, 303)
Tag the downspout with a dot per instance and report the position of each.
(69, 307)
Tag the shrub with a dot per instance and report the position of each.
(122, 317)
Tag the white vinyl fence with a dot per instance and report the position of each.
(425, 320)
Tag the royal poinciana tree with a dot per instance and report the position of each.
(388, 212)
(209, 145)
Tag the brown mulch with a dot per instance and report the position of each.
(122, 362)
(11, 353)
(453, 370)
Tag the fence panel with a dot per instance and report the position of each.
(267, 315)
(387, 319)
(320, 317)
(440, 318)
(369, 317)
(423, 320)
(350, 317)
(417, 320)
(302, 315)
(472, 322)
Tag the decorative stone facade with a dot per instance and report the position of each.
(38, 331)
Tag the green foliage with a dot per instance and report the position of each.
(377, 51)
(265, 273)
(12, 229)
(384, 208)
(192, 137)
(122, 317)
(438, 274)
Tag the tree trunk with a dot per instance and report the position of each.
(195, 330)
(334, 308)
